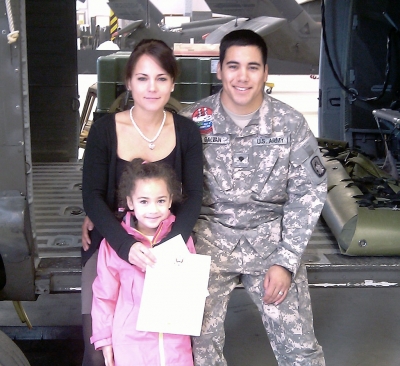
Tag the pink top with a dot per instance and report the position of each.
(117, 292)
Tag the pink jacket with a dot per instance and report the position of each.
(117, 292)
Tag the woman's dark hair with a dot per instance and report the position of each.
(243, 37)
(159, 51)
(139, 169)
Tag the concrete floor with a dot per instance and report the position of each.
(355, 326)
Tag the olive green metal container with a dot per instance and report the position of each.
(197, 79)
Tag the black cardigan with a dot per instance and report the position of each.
(99, 183)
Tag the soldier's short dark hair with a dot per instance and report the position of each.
(243, 37)
(159, 51)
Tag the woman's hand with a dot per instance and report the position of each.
(108, 355)
(87, 226)
(141, 256)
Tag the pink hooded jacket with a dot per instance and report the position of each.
(117, 292)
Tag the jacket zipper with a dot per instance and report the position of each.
(156, 235)
(161, 348)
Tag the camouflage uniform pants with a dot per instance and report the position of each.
(289, 325)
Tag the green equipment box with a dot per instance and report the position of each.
(197, 79)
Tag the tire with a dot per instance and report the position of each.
(10, 354)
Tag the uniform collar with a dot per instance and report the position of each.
(260, 124)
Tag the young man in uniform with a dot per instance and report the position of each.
(264, 189)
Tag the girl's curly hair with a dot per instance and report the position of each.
(139, 169)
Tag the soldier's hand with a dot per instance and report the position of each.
(141, 256)
(276, 285)
(87, 226)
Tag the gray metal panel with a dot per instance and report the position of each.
(331, 110)
(53, 79)
(135, 10)
(13, 208)
(14, 110)
(262, 25)
(298, 37)
(245, 9)
(59, 215)
(288, 9)
(17, 245)
(357, 38)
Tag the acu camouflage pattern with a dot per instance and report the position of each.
(264, 189)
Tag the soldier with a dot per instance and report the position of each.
(264, 189)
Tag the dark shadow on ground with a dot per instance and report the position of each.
(52, 352)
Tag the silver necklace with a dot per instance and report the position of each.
(150, 141)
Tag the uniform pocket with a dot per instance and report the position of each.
(218, 160)
(263, 171)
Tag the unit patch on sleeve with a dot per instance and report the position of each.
(203, 118)
(317, 166)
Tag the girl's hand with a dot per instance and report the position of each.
(141, 256)
(108, 355)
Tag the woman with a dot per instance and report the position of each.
(148, 132)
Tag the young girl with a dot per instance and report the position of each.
(147, 191)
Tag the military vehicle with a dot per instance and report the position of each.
(40, 202)
(293, 35)
(40, 196)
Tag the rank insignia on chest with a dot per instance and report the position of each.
(276, 140)
(241, 160)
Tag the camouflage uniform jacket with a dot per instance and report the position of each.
(265, 182)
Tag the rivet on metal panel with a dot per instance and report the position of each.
(353, 96)
(77, 186)
(28, 168)
(362, 243)
(61, 244)
(73, 210)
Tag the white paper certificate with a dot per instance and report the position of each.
(174, 290)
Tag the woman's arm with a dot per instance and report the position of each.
(98, 185)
